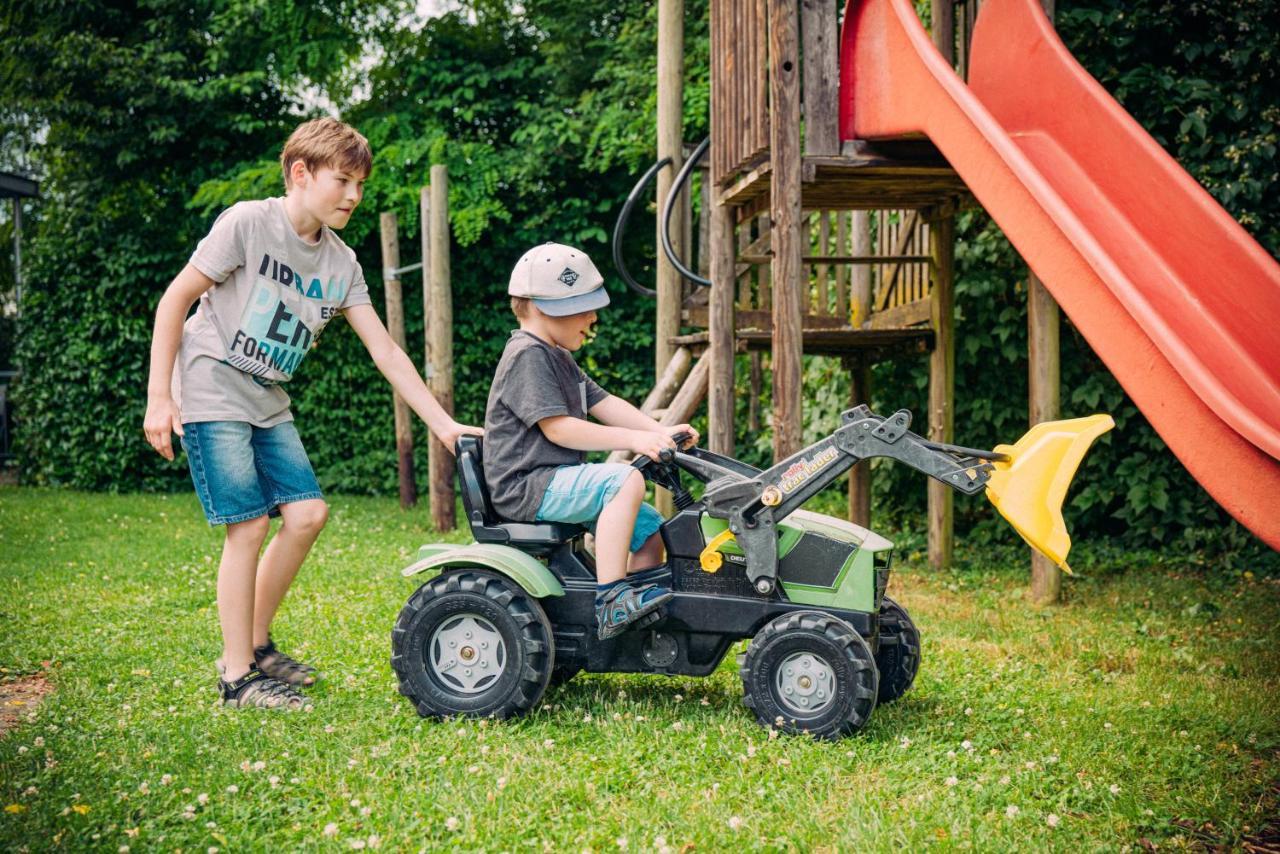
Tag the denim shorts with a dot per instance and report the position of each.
(242, 472)
(579, 493)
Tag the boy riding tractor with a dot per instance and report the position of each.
(513, 613)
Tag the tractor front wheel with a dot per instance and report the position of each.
(810, 672)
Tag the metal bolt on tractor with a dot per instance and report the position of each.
(514, 612)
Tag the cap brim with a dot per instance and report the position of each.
(576, 304)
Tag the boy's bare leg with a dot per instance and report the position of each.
(302, 523)
(649, 556)
(614, 527)
(236, 573)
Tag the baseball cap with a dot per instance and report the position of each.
(561, 280)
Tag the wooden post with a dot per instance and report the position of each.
(942, 367)
(784, 147)
(720, 403)
(1044, 390)
(670, 144)
(943, 25)
(860, 369)
(395, 325)
(438, 300)
(821, 77)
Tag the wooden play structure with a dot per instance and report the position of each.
(817, 246)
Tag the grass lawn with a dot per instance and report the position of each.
(1144, 711)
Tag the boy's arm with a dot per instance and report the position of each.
(162, 418)
(616, 412)
(403, 376)
(581, 435)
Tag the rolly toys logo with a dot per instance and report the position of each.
(805, 469)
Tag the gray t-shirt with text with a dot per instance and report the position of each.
(251, 331)
(534, 380)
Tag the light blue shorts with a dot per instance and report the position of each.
(578, 494)
(242, 472)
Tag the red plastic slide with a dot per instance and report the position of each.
(1177, 299)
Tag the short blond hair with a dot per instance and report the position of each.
(522, 307)
(326, 142)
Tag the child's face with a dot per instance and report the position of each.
(572, 331)
(329, 194)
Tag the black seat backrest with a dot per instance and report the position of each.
(475, 494)
(486, 526)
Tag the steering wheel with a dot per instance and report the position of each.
(665, 456)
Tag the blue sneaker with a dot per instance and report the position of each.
(622, 606)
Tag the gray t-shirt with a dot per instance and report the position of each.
(534, 380)
(251, 331)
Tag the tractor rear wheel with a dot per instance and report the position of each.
(899, 655)
(472, 642)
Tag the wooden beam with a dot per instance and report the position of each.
(395, 326)
(821, 77)
(784, 147)
(907, 314)
(860, 288)
(720, 322)
(943, 25)
(942, 366)
(437, 281)
(1044, 390)
(669, 144)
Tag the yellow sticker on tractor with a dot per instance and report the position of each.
(1028, 489)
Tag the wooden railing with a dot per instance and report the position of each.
(739, 85)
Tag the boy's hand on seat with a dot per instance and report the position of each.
(449, 435)
(650, 443)
(684, 428)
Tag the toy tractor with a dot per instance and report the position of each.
(514, 612)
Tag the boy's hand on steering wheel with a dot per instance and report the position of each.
(650, 443)
(689, 442)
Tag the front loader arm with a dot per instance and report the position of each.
(753, 505)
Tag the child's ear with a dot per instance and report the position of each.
(297, 172)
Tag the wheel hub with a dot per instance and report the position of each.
(805, 683)
(466, 653)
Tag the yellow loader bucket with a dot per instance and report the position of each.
(1028, 489)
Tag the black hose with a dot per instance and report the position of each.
(621, 226)
(677, 187)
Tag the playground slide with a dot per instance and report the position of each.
(1178, 300)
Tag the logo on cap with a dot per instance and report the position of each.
(568, 277)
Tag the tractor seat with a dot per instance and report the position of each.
(486, 527)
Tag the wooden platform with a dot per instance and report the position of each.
(875, 343)
(902, 175)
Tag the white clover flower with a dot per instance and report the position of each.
(144, 788)
(621, 842)
(1051, 820)
(451, 824)
(273, 780)
(330, 829)
(951, 781)
(374, 841)
(904, 743)
(366, 811)
(1115, 790)
(548, 743)
(259, 765)
(968, 711)
(357, 844)
(232, 789)
(38, 741)
(1011, 810)
(677, 726)
(166, 779)
(203, 797)
(966, 744)
(735, 823)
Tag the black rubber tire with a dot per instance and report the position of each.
(518, 618)
(899, 662)
(839, 645)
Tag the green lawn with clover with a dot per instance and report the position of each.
(1144, 711)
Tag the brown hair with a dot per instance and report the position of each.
(521, 307)
(326, 142)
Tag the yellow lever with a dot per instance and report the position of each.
(711, 559)
(1028, 489)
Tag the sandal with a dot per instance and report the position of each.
(277, 665)
(257, 690)
(624, 606)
